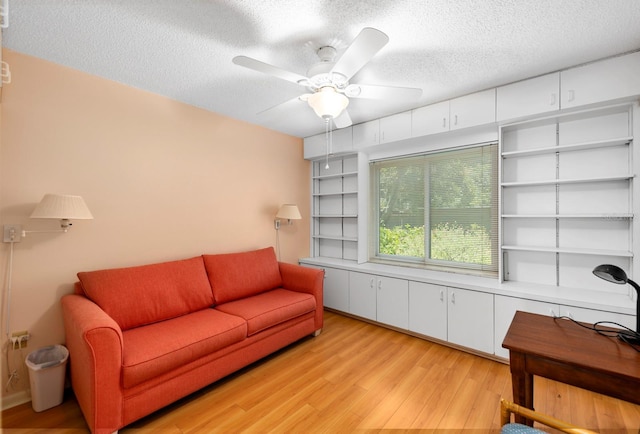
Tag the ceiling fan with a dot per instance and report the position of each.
(328, 80)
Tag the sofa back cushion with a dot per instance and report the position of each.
(147, 294)
(239, 275)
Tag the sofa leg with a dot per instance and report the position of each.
(317, 333)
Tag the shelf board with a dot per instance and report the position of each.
(571, 147)
(598, 252)
(567, 181)
(335, 175)
(334, 237)
(335, 216)
(339, 193)
(571, 216)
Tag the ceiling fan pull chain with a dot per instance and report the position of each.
(327, 134)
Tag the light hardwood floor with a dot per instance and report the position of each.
(354, 377)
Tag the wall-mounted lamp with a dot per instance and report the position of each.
(289, 212)
(61, 207)
(614, 274)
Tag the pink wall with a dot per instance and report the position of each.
(163, 180)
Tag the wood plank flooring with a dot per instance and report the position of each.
(354, 377)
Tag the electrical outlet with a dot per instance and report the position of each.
(20, 339)
(12, 233)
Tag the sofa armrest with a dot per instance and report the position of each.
(304, 279)
(94, 341)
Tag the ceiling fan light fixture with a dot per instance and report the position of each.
(327, 103)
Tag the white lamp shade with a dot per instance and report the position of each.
(327, 103)
(289, 212)
(62, 206)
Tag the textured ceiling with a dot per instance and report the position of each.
(183, 49)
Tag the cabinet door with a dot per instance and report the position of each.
(362, 295)
(342, 141)
(396, 127)
(428, 309)
(505, 309)
(528, 97)
(336, 289)
(606, 80)
(471, 110)
(393, 302)
(431, 119)
(470, 316)
(314, 146)
(593, 316)
(366, 134)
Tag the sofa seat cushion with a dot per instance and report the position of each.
(270, 308)
(155, 349)
(136, 296)
(234, 276)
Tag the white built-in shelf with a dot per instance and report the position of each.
(567, 181)
(335, 216)
(570, 216)
(333, 237)
(336, 175)
(598, 252)
(338, 193)
(571, 147)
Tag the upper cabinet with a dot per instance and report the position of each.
(384, 130)
(607, 80)
(529, 97)
(341, 143)
(467, 111)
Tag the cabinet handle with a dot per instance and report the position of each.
(455, 120)
(553, 99)
(453, 298)
(444, 122)
(379, 285)
(441, 295)
(371, 283)
(382, 137)
(572, 95)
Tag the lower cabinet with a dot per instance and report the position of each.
(336, 289)
(459, 316)
(379, 298)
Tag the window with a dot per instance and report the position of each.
(438, 210)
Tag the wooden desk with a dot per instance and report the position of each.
(563, 351)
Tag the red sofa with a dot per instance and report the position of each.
(143, 337)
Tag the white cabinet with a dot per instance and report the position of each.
(431, 119)
(393, 301)
(470, 319)
(362, 295)
(379, 298)
(334, 214)
(505, 309)
(336, 289)
(341, 143)
(459, 316)
(607, 80)
(594, 316)
(470, 110)
(366, 134)
(529, 97)
(384, 130)
(467, 111)
(428, 309)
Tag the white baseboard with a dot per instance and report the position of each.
(9, 401)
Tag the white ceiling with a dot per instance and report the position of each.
(448, 48)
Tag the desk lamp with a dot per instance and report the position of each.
(614, 274)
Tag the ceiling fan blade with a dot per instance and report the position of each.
(367, 91)
(265, 68)
(368, 42)
(343, 120)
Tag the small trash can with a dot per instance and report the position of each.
(47, 368)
